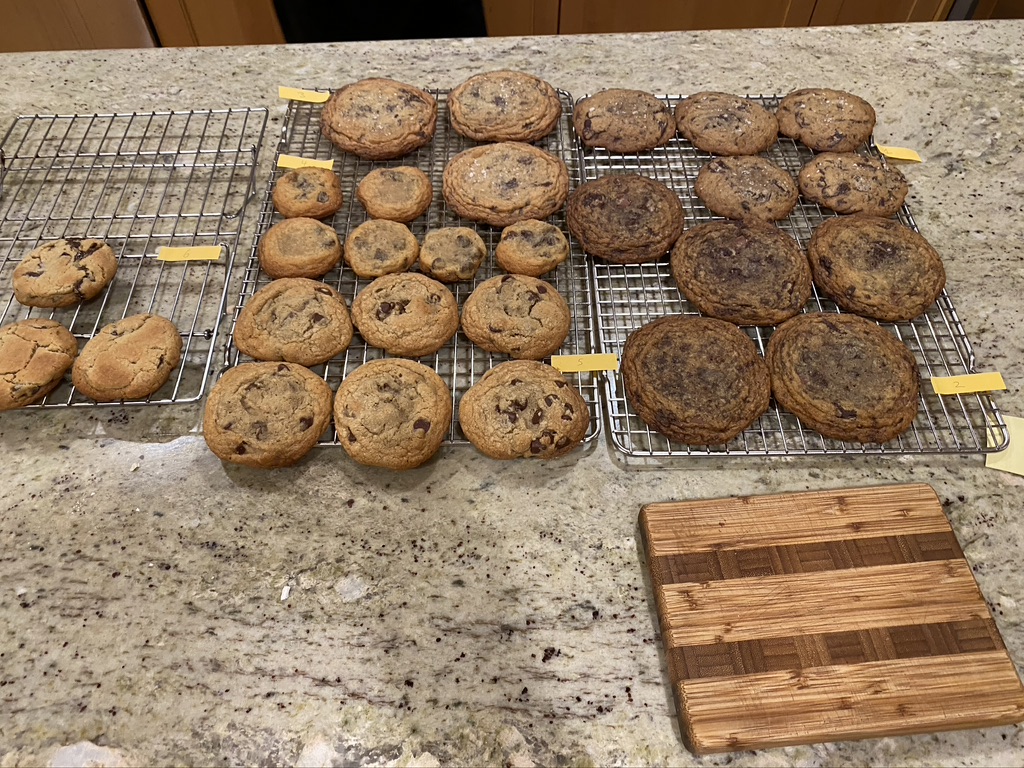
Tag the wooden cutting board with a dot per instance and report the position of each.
(823, 616)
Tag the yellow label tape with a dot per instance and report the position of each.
(578, 363)
(899, 153)
(966, 385)
(1012, 458)
(291, 161)
(297, 94)
(190, 253)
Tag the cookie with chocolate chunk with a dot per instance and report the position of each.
(517, 315)
(64, 272)
(826, 120)
(623, 120)
(531, 247)
(400, 194)
(850, 183)
(379, 119)
(406, 314)
(504, 106)
(747, 186)
(299, 247)
(379, 247)
(308, 191)
(34, 356)
(452, 254)
(724, 124)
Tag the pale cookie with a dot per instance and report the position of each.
(308, 191)
(724, 124)
(34, 356)
(406, 314)
(398, 194)
(452, 254)
(380, 247)
(851, 183)
(516, 315)
(299, 248)
(64, 272)
(826, 120)
(531, 247)
(623, 120)
(504, 106)
(379, 119)
(746, 187)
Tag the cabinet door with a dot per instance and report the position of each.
(827, 12)
(215, 22)
(657, 15)
(521, 17)
(61, 25)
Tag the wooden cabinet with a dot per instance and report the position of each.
(578, 16)
(828, 12)
(60, 25)
(521, 17)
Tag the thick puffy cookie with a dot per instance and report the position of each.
(406, 314)
(623, 120)
(308, 191)
(499, 184)
(531, 247)
(266, 415)
(745, 187)
(296, 320)
(34, 356)
(379, 119)
(399, 194)
(625, 219)
(299, 248)
(128, 359)
(504, 106)
(724, 124)
(697, 380)
(851, 183)
(844, 376)
(517, 315)
(392, 413)
(452, 254)
(826, 120)
(876, 267)
(523, 409)
(64, 272)
(380, 247)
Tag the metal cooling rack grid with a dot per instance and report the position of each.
(137, 181)
(629, 296)
(459, 363)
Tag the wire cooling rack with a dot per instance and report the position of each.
(138, 181)
(459, 363)
(630, 296)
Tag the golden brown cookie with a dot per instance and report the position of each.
(745, 187)
(380, 247)
(64, 272)
(623, 120)
(399, 194)
(851, 183)
(452, 254)
(531, 247)
(517, 315)
(826, 120)
(299, 248)
(724, 124)
(504, 106)
(308, 191)
(34, 356)
(379, 119)
(406, 314)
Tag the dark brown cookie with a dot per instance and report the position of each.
(379, 119)
(517, 315)
(851, 183)
(299, 248)
(625, 219)
(406, 314)
(696, 380)
(876, 267)
(531, 247)
(826, 120)
(623, 120)
(380, 247)
(64, 272)
(34, 356)
(308, 191)
(500, 184)
(504, 106)
(746, 272)
(523, 409)
(452, 254)
(746, 187)
(724, 124)
(399, 194)
(844, 377)
(392, 413)
(266, 415)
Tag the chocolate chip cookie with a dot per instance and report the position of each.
(623, 120)
(296, 320)
(266, 415)
(517, 315)
(724, 124)
(452, 254)
(34, 356)
(128, 359)
(851, 183)
(523, 409)
(747, 186)
(625, 219)
(531, 247)
(502, 183)
(746, 272)
(379, 119)
(64, 272)
(844, 377)
(876, 267)
(406, 314)
(392, 413)
(308, 191)
(399, 194)
(504, 106)
(380, 247)
(826, 120)
(696, 380)
(299, 248)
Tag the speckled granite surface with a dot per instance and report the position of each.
(469, 612)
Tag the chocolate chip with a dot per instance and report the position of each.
(323, 197)
(324, 290)
(538, 415)
(463, 241)
(306, 422)
(536, 447)
(541, 289)
(384, 309)
(562, 442)
(421, 424)
(316, 317)
(549, 399)
(240, 450)
(282, 367)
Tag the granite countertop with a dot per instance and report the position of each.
(471, 611)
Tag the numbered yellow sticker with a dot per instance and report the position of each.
(966, 385)
(190, 253)
(1011, 459)
(899, 153)
(579, 363)
(291, 161)
(298, 94)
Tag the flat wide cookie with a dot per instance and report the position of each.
(531, 247)
(523, 409)
(34, 356)
(64, 272)
(406, 314)
(746, 187)
(296, 320)
(308, 191)
(851, 183)
(746, 272)
(379, 119)
(392, 413)
(399, 194)
(380, 247)
(623, 120)
(266, 415)
(452, 254)
(500, 184)
(517, 315)
(876, 267)
(625, 219)
(826, 120)
(696, 380)
(299, 248)
(844, 376)
(724, 124)
(128, 359)
(504, 106)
